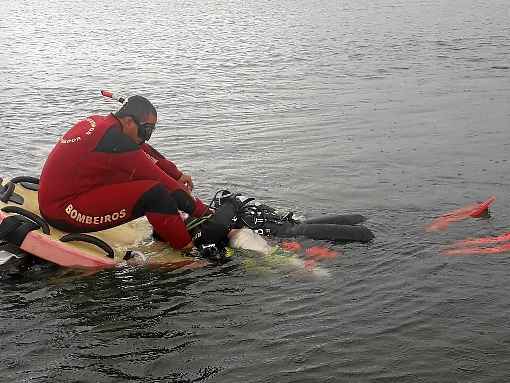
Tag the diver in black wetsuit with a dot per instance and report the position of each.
(233, 211)
(237, 211)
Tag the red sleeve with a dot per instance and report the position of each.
(141, 167)
(166, 165)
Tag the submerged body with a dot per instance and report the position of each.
(235, 211)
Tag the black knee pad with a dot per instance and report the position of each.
(157, 199)
(184, 201)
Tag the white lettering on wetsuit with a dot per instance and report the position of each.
(78, 138)
(91, 122)
(96, 220)
(92, 126)
(70, 141)
(150, 157)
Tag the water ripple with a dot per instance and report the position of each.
(396, 109)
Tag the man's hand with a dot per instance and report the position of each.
(186, 181)
(188, 247)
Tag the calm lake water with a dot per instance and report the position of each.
(395, 109)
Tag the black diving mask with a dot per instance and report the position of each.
(144, 130)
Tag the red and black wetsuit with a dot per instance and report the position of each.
(96, 178)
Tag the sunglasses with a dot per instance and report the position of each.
(144, 130)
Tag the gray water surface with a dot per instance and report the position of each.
(398, 110)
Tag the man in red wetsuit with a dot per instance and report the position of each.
(101, 174)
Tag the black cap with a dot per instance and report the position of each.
(138, 107)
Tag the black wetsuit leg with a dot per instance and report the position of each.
(339, 219)
(323, 231)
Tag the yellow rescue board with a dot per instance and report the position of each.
(131, 236)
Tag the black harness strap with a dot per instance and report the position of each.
(31, 216)
(89, 239)
(18, 236)
(7, 192)
(8, 225)
(15, 228)
(28, 182)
